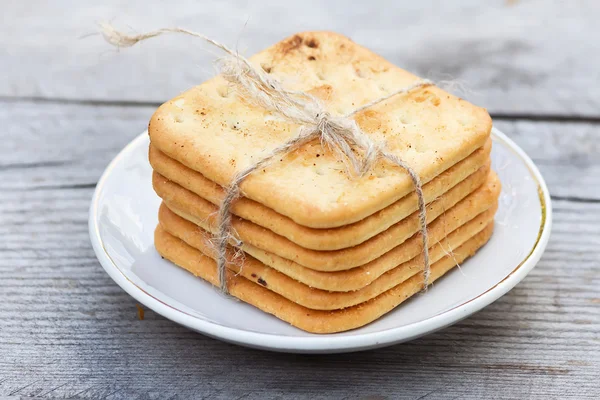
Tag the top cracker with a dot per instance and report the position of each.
(210, 129)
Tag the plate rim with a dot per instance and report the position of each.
(326, 343)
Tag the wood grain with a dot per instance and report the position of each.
(68, 105)
(521, 58)
(67, 330)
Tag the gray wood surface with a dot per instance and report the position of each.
(515, 57)
(67, 108)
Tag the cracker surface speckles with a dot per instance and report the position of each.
(210, 130)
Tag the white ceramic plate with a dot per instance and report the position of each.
(123, 216)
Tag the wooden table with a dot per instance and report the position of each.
(69, 104)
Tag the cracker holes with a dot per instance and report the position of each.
(359, 72)
(234, 124)
(420, 145)
(319, 171)
(266, 67)
(312, 43)
(223, 91)
(178, 118)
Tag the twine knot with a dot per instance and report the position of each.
(322, 118)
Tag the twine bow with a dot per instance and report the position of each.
(339, 134)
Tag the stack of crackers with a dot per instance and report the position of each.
(322, 249)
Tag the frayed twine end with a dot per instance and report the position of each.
(117, 38)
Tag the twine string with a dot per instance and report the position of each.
(340, 134)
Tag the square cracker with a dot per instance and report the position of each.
(213, 131)
(311, 238)
(478, 190)
(467, 219)
(318, 299)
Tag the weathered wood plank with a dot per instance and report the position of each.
(515, 57)
(66, 330)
